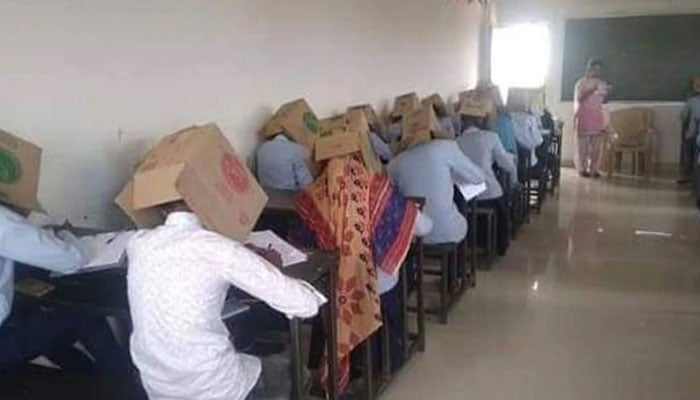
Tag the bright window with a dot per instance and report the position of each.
(520, 56)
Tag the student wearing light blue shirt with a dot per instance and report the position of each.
(282, 164)
(484, 148)
(27, 335)
(428, 170)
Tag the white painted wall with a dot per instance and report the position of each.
(555, 13)
(95, 82)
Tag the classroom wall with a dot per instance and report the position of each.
(555, 13)
(95, 82)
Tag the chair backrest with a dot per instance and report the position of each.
(632, 125)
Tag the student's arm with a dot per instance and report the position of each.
(257, 277)
(25, 243)
(505, 161)
(381, 148)
(302, 175)
(463, 168)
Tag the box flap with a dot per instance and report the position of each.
(155, 186)
(420, 126)
(372, 117)
(147, 218)
(338, 144)
(435, 102)
(405, 104)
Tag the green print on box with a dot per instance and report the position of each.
(311, 122)
(10, 167)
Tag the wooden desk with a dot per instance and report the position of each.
(104, 293)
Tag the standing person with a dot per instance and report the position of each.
(590, 119)
(690, 118)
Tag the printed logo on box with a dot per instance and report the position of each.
(10, 167)
(311, 122)
(235, 174)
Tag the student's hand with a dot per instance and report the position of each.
(269, 254)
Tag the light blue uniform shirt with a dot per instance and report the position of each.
(504, 126)
(281, 164)
(448, 126)
(23, 242)
(429, 170)
(484, 148)
(380, 147)
(393, 132)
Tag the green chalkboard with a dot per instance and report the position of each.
(650, 58)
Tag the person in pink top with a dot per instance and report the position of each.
(590, 119)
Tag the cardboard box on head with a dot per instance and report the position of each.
(696, 84)
(372, 117)
(436, 103)
(296, 120)
(418, 127)
(199, 166)
(405, 104)
(20, 164)
(352, 136)
(327, 126)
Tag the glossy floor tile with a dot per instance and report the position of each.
(599, 298)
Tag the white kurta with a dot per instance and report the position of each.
(178, 278)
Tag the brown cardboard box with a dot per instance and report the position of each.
(20, 163)
(418, 127)
(436, 102)
(297, 120)
(347, 134)
(199, 166)
(327, 126)
(371, 115)
(404, 104)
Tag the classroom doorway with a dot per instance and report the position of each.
(520, 56)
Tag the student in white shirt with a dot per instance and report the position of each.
(179, 275)
(25, 335)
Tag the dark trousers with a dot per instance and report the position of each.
(53, 334)
(500, 206)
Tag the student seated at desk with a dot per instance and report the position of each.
(372, 229)
(427, 170)
(179, 275)
(281, 164)
(27, 334)
(527, 132)
(484, 148)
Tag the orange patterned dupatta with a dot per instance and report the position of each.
(340, 210)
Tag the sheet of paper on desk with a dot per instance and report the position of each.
(470, 191)
(105, 250)
(265, 239)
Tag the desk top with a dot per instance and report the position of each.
(280, 200)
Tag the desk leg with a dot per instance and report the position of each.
(419, 295)
(403, 282)
(332, 330)
(474, 259)
(296, 362)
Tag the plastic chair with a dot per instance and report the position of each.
(634, 134)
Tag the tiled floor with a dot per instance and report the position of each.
(583, 307)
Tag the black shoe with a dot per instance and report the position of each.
(584, 174)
